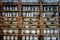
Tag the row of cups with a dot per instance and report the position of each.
(31, 31)
(10, 31)
(30, 37)
(10, 37)
(47, 31)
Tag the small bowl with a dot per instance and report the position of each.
(48, 38)
(12, 37)
(6, 22)
(13, 26)
(5, 19)
(51, 31)
(27, 37)
(53, 38)
(34, 19)
(27, 31)
(45, 19)
(26, 22)
(33, 31)
(26, 19)
(14, 19)
(8, 37)
(9, 19)
(33, 26)
(14, 22)
(10, 31)
(16, 31)
(23, 37)
(26, 26)
(23, 31)
(56, 31)
(56, 23)
(31, 37)
(48, 22)
(5, 30)
(48, 31)
(52, 26)
(34, 22)
(38, 31)
(4, 37)
(35, 37)
(16, 38)
(52, 19)
(45, 31)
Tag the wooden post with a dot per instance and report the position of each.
(1, 37)
(19, 20)
(41, 20)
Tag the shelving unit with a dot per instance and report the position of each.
(29, 20)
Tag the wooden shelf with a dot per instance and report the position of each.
(52, 11)
(8, 34)
(30, 4)
(31, 24)
(30, 28)
(30, 17)
(52, 21)
(10, 4)
(50, 28)
(9, 28)
(30, 34)
(31, 21)
(19, 19)
(10, 17)
(52, 17)
(51, 34)
(50, 4)
(9, 21)
(10, 24)
(29, 11)
(51, 24)
(9, 10)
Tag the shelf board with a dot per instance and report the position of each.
(51, 11)
(10, 4)
(50, 28)
(8, 34)
(31, 21)
(30, 34)
(50, 4)
(51, 34)
(10, 24)
(30, 11)
(9, 28)
(51, 24)
(9, 21)
(51, 16)
(31, 24)
(30, 28)
(10, 17)
(52, 21)
(23, 4)
(9, 10)
(30, 17)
